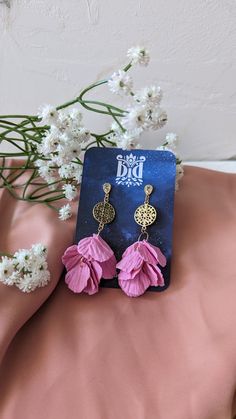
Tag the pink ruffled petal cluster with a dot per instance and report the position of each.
(138, 268)
(87, 262)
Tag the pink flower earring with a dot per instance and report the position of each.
(138, 266)
(92, 258)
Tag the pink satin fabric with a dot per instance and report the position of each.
(167, 355)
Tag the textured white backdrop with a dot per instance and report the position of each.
(50, 49)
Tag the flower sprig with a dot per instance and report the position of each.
(27, 269)
(53, 142)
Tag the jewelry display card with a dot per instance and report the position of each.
(128, 172)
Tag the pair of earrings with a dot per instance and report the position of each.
(92, 258)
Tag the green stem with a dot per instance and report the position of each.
(45, 185)
(109, 142)
(12, 154)
(92, 86)
(128, 66)
(117, 120)
(89, 108)
(13, 129)
(15, 168)
(51, 206)
(89, 145)
(29, 181)
(54, 199)
(35, 118)
(18, 175)
(96, 102)
(16, 145)
(45, 194)
(13, 139)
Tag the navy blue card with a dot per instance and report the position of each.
(128, 172)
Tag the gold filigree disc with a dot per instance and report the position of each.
(104, 212)
(145, 215)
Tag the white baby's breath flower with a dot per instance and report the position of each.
(77, 172)
(68, 150)
(23, 259)
(129, 140)
(76, 116)
(7, 271)
(120, 83)
(12, 279)
(70, 191)
(115, 127)
(75, 149)
(149, 95)
(135, 118)
(65, 212)
(81, 135)
(50, 142)
(64, 121)
(179, 175)
(171, 140)
(41, 276)
(45, 278)
(66, 171)
(31, 268)
(26, 283)
(39, 249)
(37, 261)
(48, 114)
(70, 120)
(35, 279)
(65, 139)
(157, 118)
(71, 171)
(138, 55)
(64, 155)
(45, 171)
(44, 165)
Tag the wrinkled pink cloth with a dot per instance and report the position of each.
(167, 355)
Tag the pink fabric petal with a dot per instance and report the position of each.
(77, 277)
(130, 275)
(135, 287)
(161, 259)
(138, 268)
(85, 276)
(130, 249)
(95, 248)
(130, 262)
(71, 257)
(109, 268)
(154, 274)
(94, 279)
(124, 276)
(147, 252)
(87, 262)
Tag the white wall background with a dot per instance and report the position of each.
(50, 49)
